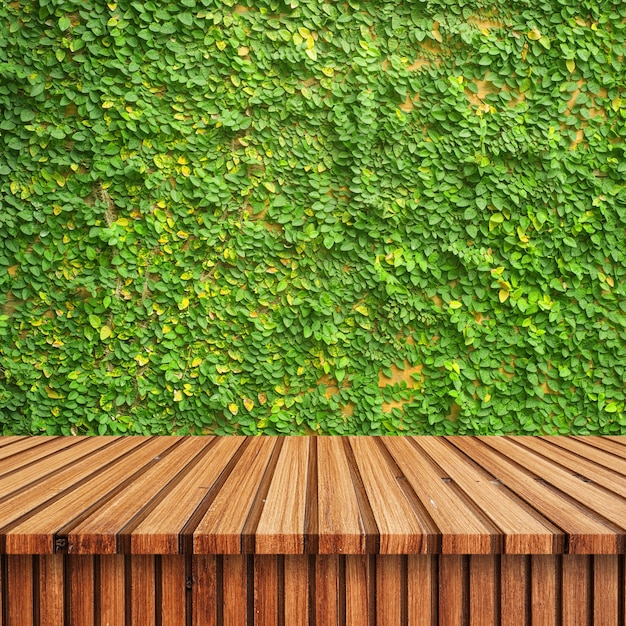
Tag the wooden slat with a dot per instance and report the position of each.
(525, 532)
(158, 532)
(281, 527)
(422, 587)
(483, 588)
(462, 530)
(142, 590)
(341, 529)
(35, 534)
(204, 590)
(400, 530)
(514, 582)
(20, 597)
(98, 533)
(544, 609)
(389, 590)
(576, 598)
(588, 451)
(296, 583)
(31, 449)
(360, 573)
(173, 590)
(606, 590)
(327, 590)
(584, 532)
(51, 590)
(112, 590)
(220, 530)
(452, 601)
(235, 590)
(81, 589)
(266, 607)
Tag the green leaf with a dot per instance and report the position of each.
(64, 23)
(95, 321)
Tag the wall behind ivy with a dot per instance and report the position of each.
(306, 217)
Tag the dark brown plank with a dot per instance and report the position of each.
(296, 590)
(515, 579)
(220, 530)
(327, 590)
(266, 589)
(204, 598)
(158, 532)
(482, 590)
(20, 596)
(51, 590)
(422, 590)
(81, 589)
(112, 589)
(576, 589)
(360, 574)
(606, 590)
(544, 609)
(173, 590)
(389, 590)
(142, 590)
(452, 592)
(235, 590)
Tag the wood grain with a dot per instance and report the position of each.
(51, 589)
(514, 589)
(296, 572)
(327, 590)
(112, 589)
(576, 590)
(545, 609)
(452, 601)
(204, 590)
(422, 584)
(32, 450)
(173, 590)
(483, 590)
(81, 589)
(20, 597)
(235, 590)
(142, 591)
(606, 589)
(266, 606)
(389, 590)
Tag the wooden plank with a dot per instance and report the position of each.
(525, 532)
(360, 575)
(585, 532)
(142, 590)
(400, 530)
(576, 590)
(327, 590)
(112, 589)
(452, 604)
(266, 604)
(45, 491)
(515, 580)
(235, 590)
(389, 590)
(606, 590)
(204, 599)
(422, 587)
(158, 532)
(296, 570)
(462, 530)
(341, 528)
(483, 588)
(543, 593)
(51, 590)
(590, 452)
(609, 444)
(98, 532)
(81, 589)
(20, 592)
(30, 449)
(281, 527)
(173, 608)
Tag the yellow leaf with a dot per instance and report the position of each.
(571, 65)
(262, 397)
(534, 35)
(437, 36)
(503, 295)
(362, 309)
(107, 104)
(51, 393)
(196, 362)
(455, 367)
(270, 187)
(220, 45)
(183, 304)
(455, 304)
(233, 408)
(248, 403)
(328, 71)
(487, 397)
(178, 395)
(185, 170)
(311, 53)
(182, 160)
(105, 333)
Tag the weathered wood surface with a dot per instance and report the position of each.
(328, 496)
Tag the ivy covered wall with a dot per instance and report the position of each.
(301, 216)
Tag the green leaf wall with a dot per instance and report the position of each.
(305, 217)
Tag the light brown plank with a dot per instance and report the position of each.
(514, 576)
(543, 591)
(220, 530)
(327, 590)
(266, 589)
(46, 490)
(158, 533)
(461, 530)
(606, 590)
(235, 590)
(389, 591)
(51, 590)
(422, 589)
(29, 450)
(142, 590)
(20, 594)
(482, 590)
(81, 589)
(525, 532)
(452, 591)
(281, 527)
(609, 444)
(400, 530)
(173, 590)
(576, 589)
(588, 451)
(585, 533)
(360, 574)
(204, 590)
(112, 589)
(98, 532)
(341, 529)
(296, 590)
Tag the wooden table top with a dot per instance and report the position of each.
(312, 495)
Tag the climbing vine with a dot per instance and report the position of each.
(288, 217)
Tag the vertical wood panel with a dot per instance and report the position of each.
(543, 590)
(20, 590)
(81, 596)
(451, 590)
(576, 598)
(2, 588)
(422, 590)
(235, 593)
(514, 581)
(296, 590)
(204, 590)
(359, 603)
(482, 591)
(266, 590)
(389, 590)
(51, 590)
(327, 590)
(606, 590)
(142, 590)
(112, 590)
(173, 590)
